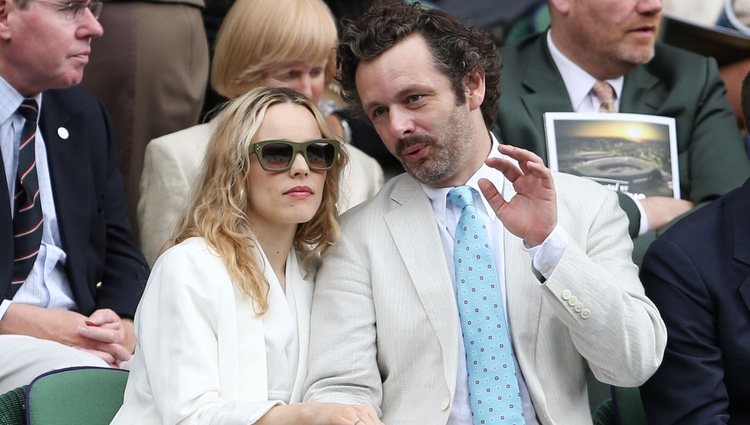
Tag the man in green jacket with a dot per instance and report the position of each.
(614, 41)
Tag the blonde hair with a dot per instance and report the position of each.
(217, 212)
(259, 35)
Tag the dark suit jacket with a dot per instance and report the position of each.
(90, 207)
(698, 275)
(675, 83)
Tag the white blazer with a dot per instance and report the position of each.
(385, 329)
(201, 357)
(171, 168)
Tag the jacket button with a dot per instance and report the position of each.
(578, 307)
(446, 404)
(566, 294)
(572, 300)
(585, 313)
(99, 284)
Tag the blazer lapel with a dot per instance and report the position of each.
(68, 164)
(545, 89)
(524, 304)
(642, 93)
(412, 225)
(6, 235)
(303, 293)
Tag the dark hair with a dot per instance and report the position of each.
(456, 49)
(745, 91)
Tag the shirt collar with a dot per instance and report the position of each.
(577, 81)
(439, 196)
(10, 100)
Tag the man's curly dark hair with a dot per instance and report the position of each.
(456, 49)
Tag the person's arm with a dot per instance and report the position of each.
(342, 329)
(594, 289)
(165, 190)
(689, 386)
(319, 414)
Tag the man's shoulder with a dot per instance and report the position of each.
(398, 190)
(190, 142)
(70, 99)
(670, 61)
(515, 55)
(524, 45)
(713, 220)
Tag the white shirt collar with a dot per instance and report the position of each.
(439, 196)
(577, 81)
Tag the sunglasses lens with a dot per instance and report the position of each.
(320, 155)
(276, 156)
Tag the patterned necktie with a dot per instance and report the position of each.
(27, 216)
(606, 95)
(493, 387)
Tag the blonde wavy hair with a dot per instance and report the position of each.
(259, 35)
(218, 209)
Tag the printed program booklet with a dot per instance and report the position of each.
(626, 152)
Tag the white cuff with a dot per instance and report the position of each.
(4, 307)
(546, 256)
(643, 228)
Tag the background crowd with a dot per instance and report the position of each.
(344, 212)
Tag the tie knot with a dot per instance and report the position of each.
(606, 95)
(461, 196)
(29, 110)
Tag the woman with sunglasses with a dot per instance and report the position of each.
(279, 43)
(223, 323)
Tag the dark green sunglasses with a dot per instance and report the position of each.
(278, 155)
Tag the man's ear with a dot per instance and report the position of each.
(559, 6)
(474, 86)
(6, 6)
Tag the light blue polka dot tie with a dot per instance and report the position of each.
(493, 387)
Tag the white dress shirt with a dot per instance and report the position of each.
(544, 259)
(578, 84)
(47, 285)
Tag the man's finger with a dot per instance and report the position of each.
(509, 170)
(520, 155)
(100, 334)
(492, 195)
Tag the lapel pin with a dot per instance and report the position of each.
(63, 133)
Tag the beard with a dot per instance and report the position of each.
(448, 155)
(637, 56)
(433, 169)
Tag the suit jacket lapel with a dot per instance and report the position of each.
(642, 92)
(411, 222)
(303, 293)
(524, 303)
(68, 165)
(544, 88)
(6, 235)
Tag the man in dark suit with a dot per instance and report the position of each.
(70, 275)
(614, 41)
(698, 274)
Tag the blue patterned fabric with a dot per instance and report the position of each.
(494, 395)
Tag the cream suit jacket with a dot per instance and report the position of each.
(172, 166)
(201, 357)
(385, 327)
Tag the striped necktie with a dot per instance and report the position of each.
(27, 216)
